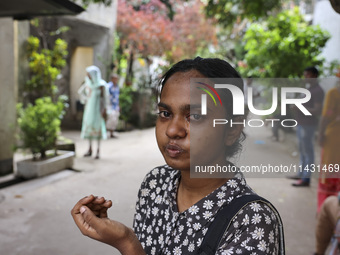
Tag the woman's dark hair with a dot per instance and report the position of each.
(212, 68)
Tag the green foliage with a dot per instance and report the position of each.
(40, 120)
(282, 46)
(168, 4)
(125, 102)
(60, 30)
(330, 69)
(40, 123)
(119, 58)
(45, 65)
(226, 12)
(86, 3)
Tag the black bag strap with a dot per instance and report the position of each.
(223, 219)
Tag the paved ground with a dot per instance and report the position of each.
(35, 215)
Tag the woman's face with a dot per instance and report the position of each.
(88, 75)
(182, 132)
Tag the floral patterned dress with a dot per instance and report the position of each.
(162, 229)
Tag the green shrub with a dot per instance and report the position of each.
(45, 65)
(40, 124)
(282, 46)
(125, 103)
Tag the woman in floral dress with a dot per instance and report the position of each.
(174, 211)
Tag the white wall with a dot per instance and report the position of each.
(100, 15)
(328, 19)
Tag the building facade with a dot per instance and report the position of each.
(90, 42)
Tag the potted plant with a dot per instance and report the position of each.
(39, 128)
(39, 118)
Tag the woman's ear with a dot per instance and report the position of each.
(234, 132)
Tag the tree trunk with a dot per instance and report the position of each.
(129, 74)
(42, 154)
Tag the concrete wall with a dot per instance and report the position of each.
(93, 29)
(100, 15)
(13, 35)
(328, 19)
(21, 58)
(7, 94)
(104, 17)
(88, 35)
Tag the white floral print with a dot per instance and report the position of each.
(258, 233)
(262, 245)
(256, 218)
(255, 206)
(163, 230)
(193, 209)
(208, 204)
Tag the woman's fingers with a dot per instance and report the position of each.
(84, 201)
(78, 217)
(99, 200)
(95, 224)
(99, 208)
(108, 203)
(92, 224)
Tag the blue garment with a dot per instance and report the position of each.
(114, 96)
(305, 134)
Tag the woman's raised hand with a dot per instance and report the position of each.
(90, 215)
